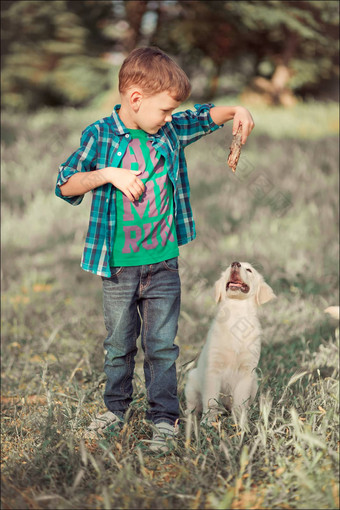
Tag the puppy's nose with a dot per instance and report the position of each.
(235, 264)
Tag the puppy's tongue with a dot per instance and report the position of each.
(235, 285)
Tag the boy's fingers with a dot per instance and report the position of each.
(138, 188)
(250, 127)
(235, 126)
(141, 184)
(136, 172)
(245, 132)
(247, 129)
(128, 193)
(135, 187)
(137, 180)
(135, 191)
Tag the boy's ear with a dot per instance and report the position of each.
(135, 99)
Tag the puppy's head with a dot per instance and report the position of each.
(241, 281)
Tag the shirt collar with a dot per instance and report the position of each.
(120, 128)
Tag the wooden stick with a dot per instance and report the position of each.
(235, 149)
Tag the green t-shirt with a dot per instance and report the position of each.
(145, 229)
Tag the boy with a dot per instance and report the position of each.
(133, 162)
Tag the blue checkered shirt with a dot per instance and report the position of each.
(103, 144)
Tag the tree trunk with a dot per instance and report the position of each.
(213, 82)
(276, 90)
(135, 11)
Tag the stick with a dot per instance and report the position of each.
(235, 149)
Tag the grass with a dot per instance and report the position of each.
(279, 212)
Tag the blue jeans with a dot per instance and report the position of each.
(142, 300)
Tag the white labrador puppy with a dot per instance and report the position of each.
(225, 371)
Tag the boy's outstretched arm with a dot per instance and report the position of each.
(222, 114)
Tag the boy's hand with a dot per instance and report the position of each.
(127, 181)
(239, 114)
(243, 116)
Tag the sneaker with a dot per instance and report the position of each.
(107, 422)
(163, 433)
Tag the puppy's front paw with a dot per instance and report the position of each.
(209, 419)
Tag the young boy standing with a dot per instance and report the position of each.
(134, 164)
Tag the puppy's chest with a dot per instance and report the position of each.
(235, 339)
(236, 330)
(242, 331)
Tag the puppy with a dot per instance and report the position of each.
(226, 367)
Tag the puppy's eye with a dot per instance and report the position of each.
(250, 271)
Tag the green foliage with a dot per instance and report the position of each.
(261, 33)
(56, 52)
(52, 56)
(286, 455)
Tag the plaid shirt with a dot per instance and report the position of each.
(103, 144)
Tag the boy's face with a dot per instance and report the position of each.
(152, 112)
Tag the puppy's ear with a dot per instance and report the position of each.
(264, 294)
(218, 290)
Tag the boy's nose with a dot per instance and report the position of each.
(168, 118)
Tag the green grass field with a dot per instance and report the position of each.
(279, 212)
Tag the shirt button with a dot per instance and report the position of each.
(127, 136)
(119, 153)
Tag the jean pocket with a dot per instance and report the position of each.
(171, 264)
(115, 271)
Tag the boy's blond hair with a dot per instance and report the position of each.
(153, 71)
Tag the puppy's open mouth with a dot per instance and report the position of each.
(237, 285)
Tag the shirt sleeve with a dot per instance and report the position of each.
(191, 125)
(82, 160)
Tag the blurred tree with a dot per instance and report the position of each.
(196, 31)
(292, 45)
(50, 52)
(135, 10)
(295, 45)
(53, 51)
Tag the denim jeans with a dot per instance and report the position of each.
(142, 300)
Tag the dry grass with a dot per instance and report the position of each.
(280, 212)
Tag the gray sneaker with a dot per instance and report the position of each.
(107, 422)
(163, 434)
